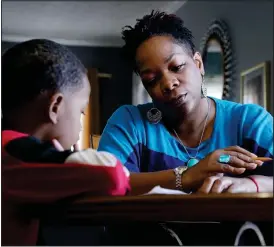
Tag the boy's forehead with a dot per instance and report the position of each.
(87, 87)
(84, 92)
(79, 95)
(86, 82)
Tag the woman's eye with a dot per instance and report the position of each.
(178, 68)
(83, 112)
(148, 80)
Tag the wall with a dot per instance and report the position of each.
(251, 28)
(113, 92)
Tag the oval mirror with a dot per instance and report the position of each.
(218, 62)
(214, 67)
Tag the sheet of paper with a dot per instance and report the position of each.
(159, 190)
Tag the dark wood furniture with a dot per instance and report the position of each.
(160, 208)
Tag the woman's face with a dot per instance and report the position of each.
(170, 74)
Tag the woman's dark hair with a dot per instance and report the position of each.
(155, 24)
(36, 66)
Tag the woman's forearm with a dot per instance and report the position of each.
(143, 182)
(265, 183)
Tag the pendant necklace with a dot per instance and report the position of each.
(192, 159)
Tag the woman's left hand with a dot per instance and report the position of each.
(217, 184)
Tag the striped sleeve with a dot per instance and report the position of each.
(120, 137)
(257, 135)
(95, 158)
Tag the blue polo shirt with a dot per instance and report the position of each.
(145, 147)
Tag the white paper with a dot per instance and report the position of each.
(159, 190)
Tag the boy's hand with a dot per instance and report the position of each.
(76, 147)
(58, 146)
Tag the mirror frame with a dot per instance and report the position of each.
(218, 29)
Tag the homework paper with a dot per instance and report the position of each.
(159, 190)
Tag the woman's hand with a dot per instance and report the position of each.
(217, 184)
(240, 160)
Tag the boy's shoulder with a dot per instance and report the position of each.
(29, 149)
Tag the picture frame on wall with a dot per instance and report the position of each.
(254, 85)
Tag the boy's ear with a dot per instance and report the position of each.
(56, 107)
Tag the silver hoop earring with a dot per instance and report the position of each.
(154, 115)
(203, 88)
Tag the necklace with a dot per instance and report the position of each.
(192, 159)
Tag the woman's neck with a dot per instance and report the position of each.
(195, 120)
(191, 128)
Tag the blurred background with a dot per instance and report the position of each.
(237, 62)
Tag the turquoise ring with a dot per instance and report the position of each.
(224, 158)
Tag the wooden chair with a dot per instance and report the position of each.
(90, 135)
(95, 141)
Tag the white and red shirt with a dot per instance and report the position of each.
(34, 172)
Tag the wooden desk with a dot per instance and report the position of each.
(159, 208)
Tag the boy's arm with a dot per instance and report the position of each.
(34, 172)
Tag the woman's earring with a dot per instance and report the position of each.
(154, 115)
(203, 88)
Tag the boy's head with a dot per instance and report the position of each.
(45, 90)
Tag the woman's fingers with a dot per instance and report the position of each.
(208, 183)
(226, 168)
(216, 167)
(244, 157)
(215, 184)
(236, 160)
(241, 150)
(220, 185)
(241, 161)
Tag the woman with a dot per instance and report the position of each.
(184, 139)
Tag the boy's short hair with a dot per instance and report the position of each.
(36, 66)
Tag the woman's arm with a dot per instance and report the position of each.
(216, 184)
(194, 177)
(143, 182)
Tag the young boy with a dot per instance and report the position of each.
(44, 92)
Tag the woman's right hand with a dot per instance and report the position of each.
(240, 160)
